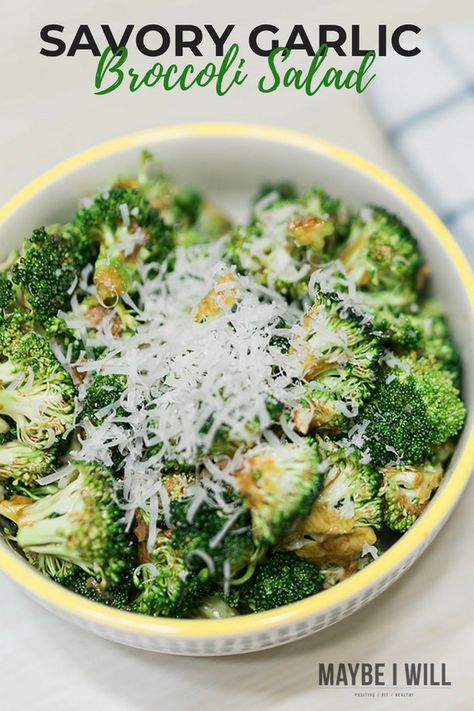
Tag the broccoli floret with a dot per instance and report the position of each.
(380, 252)
(176, 484)
(33, 491)
(285, 240)
(81, 524)
(281, 579)
(319, 223)
(342, 517)
(211, 225)
(416, 406)
(8, 434)
(331, 337)
(6, 293)
(78, 581)
(339, 358)
(399, 330)
(379, 304)
(128, 231)
(222, 441)
(349, 497)
(442, 453)
(391, 312)
(406, 491)
(7, 263)
(279, 483)
(213, 538)
(49, 270)
(186, 206)
(35, 390)
(167, 588)
(194, 220)
(56, 330)
(102, 391)
(436, 340)
(268, 260)
(396, 301)
(330, 403)
(22, 463)
(22, 348)
(152, 185)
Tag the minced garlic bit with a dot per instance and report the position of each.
(220, 299)
(310, 231)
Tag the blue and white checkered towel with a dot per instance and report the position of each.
(426, 104)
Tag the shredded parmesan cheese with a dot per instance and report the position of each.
(189, 383)
(369, 550)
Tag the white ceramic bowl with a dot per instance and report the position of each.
(229, 162)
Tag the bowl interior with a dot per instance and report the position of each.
(230, 168)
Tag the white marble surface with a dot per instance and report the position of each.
(48, 112)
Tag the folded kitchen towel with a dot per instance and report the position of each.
(426, 104)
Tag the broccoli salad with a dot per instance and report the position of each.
(201, 419)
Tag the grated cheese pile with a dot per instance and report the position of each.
(189, 382)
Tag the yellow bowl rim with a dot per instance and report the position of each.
(67, 603)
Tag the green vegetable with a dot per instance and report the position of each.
(349, 496)
(380, 252)
(81, 524)
(102, 391)
(194, 220)
(406, 491)
(35, 390)
(128, 231)
(416, 406)
(6, 293)
(331, 336)
(279, 483)
(436, 340)
(285, 238)
(23, 463)
(76, 580)
(49, 269)
(399, 330)
(167, 588)
(281, 579)
(340, 359)
(206, 539)
(282, 191)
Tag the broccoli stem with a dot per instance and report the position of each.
(215, 608)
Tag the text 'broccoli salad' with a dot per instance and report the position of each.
(202, 420)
